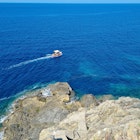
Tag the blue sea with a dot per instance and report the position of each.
(100, 45)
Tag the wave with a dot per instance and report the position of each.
(3, 118)
(11, 100)
(1, 135)
(30, 61)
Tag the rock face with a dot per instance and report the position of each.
(73, 127)
(55, 117)
(34, 113)
(115, 120)
(111, 120)
(88, 100)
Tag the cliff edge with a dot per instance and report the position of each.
(51, 114)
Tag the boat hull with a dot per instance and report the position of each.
(57, 55)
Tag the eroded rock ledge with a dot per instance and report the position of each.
(43, 117)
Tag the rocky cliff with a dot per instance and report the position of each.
(50, 114)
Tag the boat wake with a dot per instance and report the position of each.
(30, 61)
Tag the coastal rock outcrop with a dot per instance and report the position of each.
(50, 114)
(115, 120)
(44, 109)
(111, 120)
(73, 127)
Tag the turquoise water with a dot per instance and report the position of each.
(100, 44)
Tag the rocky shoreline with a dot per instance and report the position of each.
(51, 113)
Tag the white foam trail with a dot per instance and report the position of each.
(30, 61)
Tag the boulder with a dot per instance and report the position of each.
(106, 97)
(88, 100)
(60, 88)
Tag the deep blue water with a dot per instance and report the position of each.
(100, 43)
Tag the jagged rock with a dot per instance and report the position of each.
(73, 106)
(41, 97)
(51, 114)
(18, 124)
(72, 96)
(60, 88)
(105, 98)
(111, 120)
(88, 100)
(73, 127)
(36, 112)
(53, 117)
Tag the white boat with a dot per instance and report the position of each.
(57, 53)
